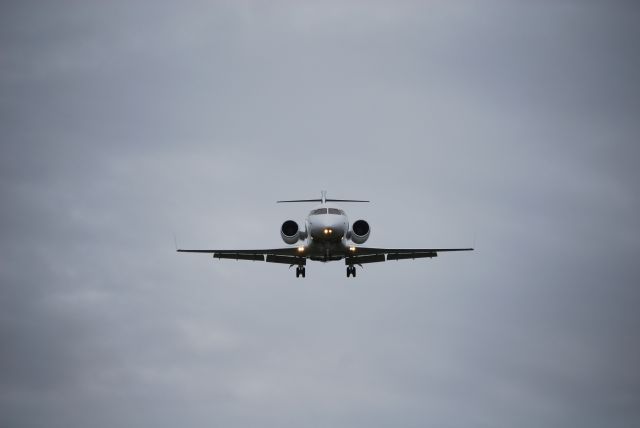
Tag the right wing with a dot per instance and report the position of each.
(374, 255)
(290, 255)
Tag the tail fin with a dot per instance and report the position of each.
(324, 199)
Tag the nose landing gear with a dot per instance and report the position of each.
(300, 271)
(351, 270)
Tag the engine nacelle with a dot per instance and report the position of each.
(359, 232)
(290, 232)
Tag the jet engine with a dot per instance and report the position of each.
(290, 232)
(359, 232)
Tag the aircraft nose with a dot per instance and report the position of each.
(327, 228)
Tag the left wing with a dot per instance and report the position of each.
(277, 255)
(373, 255)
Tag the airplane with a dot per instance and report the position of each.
(326, 237)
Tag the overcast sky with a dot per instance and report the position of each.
(515, 124)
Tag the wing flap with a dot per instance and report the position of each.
(239, 256)
(369, 250)
(289, 260)
(374, 255)
(280, 251)
(373, 258)
(415, 255)
(275, 255)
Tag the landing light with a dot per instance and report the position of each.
(300, 249)
(352, 248)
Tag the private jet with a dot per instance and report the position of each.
(326, 237)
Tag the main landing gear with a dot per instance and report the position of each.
(300, 271)
(351, 271)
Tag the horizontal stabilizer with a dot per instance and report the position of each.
(320, 200)
(299, 200)
(323, 199)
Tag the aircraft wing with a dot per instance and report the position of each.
(374, 255)
(289, 255)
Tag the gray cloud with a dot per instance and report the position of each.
(123, 124)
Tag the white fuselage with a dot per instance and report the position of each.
(327, 232)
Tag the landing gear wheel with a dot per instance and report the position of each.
(297, 272)
(303, 271)
(351, 270)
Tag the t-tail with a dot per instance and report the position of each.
(323, 199)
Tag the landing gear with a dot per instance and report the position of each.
(300, 271)
(351, 271)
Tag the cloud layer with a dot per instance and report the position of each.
(123, 124)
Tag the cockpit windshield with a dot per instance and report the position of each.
(326, 211)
